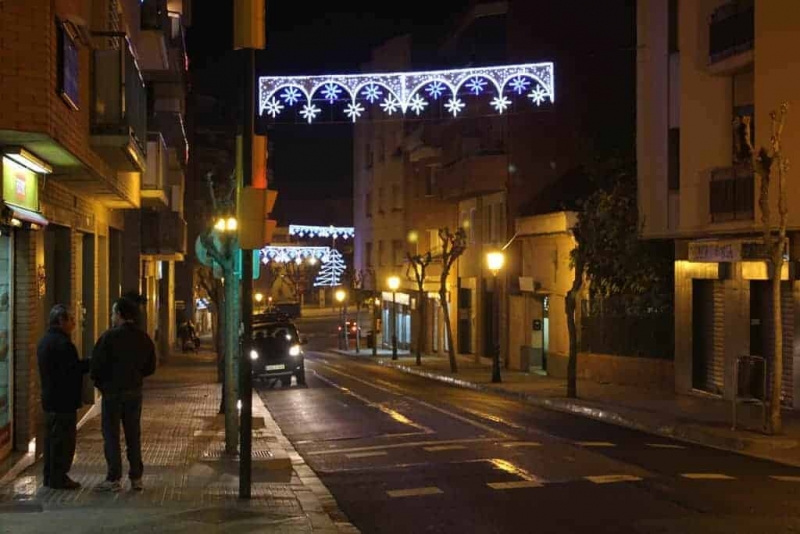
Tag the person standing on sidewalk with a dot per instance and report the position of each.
(61, 374)
(122, 357)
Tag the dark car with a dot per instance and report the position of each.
(277, 352)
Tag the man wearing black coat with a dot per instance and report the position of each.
(61, 374)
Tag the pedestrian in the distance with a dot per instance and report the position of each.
(122, 357)
(61, 374)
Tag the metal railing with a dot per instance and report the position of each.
(163, 232)
(731, 194)
(731, 30)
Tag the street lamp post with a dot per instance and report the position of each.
(259, 298)
(495, 261)
(340, 296)
(394, 285)
(375, 310)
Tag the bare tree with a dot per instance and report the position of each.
(453, 246)
(768, 163)
(418, 263)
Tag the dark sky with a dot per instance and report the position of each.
(309, 161)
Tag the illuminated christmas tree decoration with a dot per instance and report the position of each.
(354, 111)
(335, 232)
(454, 106)
(330, 274)
(403, 91)
(500, 103)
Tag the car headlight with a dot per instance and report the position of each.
(253, 355)
(294, 350)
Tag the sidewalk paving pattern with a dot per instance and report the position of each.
(702, 420)
(190, 484)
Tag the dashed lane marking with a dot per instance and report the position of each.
(665, 446)
(518, 484)
(595, 444)
(366, 454)
(438, 448)
(786, 478)
(611, 479)
(399, 446)
(707, 476)
(516, 444)
(414, 492)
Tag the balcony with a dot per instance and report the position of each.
(171, 126)
(155, 31)
(155, 178)
(163, 235)
(731, 194)
(119, 106)
(731, 37)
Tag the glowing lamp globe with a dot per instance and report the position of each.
(495, 261)
(394, 283)
(340, 295)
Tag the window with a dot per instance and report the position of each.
(674, 159)
(743, 98)
(434, 244)
(397, 198)
(672, 29)
(368, 155)
(380, 200)
(368, 205)
(398, 254)
(380, 253)
(471, 229)
(368, 254)
(430, 181)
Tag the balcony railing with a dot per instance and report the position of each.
(731, 194)
(171, 125)
(119, 101)
(163, 233)
(731, 30)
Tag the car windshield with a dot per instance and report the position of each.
(280, 332)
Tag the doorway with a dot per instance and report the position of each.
(465, 320)
(703, 365)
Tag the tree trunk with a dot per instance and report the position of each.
(572, 329)
(451, 349)
(421, 331)
(777, 364)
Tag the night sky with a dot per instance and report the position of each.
(310, 162)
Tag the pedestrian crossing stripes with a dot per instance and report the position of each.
(786, 478)
(665, 446)
(517, 484)
(707, 476)
(365, 454)
(611, 479)
(595, 444)
(414, 492)
(444, 448)
(517, 444)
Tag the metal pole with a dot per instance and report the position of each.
(375, 309)
(394, 326)
(496, 332)
(344, 326)
(245, 376)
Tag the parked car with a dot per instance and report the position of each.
(352, 329)
(278, 352)
(290, 309)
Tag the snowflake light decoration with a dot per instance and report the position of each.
(354, 110)
(390, 104)
(291, 253)
(520, 84)
(454, 106)
(310, 112)
(435, 89)
(500, 103)
(417, 104)
(538, 95)
(476, 85)
(403, 91)
(274, 107)
(291, 95)
(335, 232)
(331, 92)
(372, 93)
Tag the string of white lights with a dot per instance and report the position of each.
(335, 232)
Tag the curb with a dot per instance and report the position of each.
(694, 434)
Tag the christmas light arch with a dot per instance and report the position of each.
(335, 232)
(400, 92)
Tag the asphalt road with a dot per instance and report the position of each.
(404, 454)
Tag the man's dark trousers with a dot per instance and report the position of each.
(59, 446)
(124, 409)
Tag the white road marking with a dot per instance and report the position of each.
(610, 479)
(438, 448)
(494, 419)
(400, 446)
(595, 444)
(665, 446)
(518, 484)
(515, 444)
(786, 478)
(366, 454)
(707, 476)
(414, 492)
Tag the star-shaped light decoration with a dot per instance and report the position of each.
(372, 93)
(354, 110)
(331, 92)
(520, 84)
(390, 104)
(435, 89)
(291, 95)
(454, 106)
(273, 107)
(417, 104)
(500, 103)
(476, 85)
(538, 95)
(310, 112)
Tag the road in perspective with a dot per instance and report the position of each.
(398, 451)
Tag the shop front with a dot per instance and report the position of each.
(402, 317)
(20, 213)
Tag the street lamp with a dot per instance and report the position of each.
(259, 298)
(226, 224)
(394, 285)
(495, 261)
(341, 296)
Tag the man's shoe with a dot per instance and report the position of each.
(136, 484)
(112, 486)
(66, 484)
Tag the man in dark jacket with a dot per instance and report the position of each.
(121, 358)
(61, 374)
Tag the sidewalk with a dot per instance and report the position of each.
(703, 420)
(190, 486)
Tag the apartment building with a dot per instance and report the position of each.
(701, 66)
(75, 154)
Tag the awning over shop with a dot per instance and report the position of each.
(26, 215)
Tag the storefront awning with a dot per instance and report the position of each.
(27, 215)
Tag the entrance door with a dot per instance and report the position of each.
(6, 346)
(703, 334)
(464, 320)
